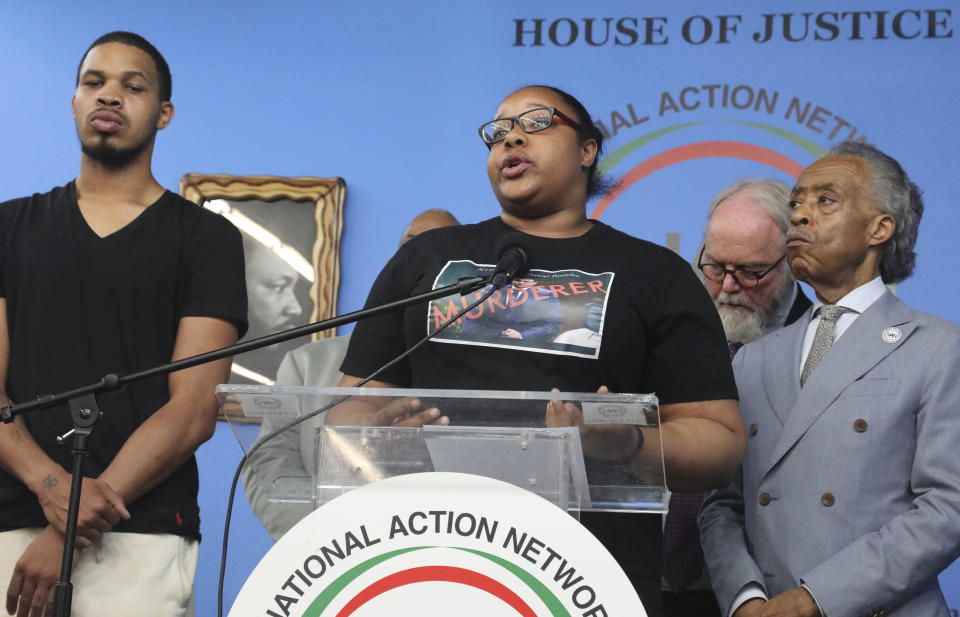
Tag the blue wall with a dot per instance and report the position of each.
(388, 95)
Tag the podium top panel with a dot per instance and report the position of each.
(508, 407)
(618, 446)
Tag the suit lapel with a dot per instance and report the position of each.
(781, 359)
(853, 355)
(800, 305)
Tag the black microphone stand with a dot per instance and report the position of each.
(85, 412)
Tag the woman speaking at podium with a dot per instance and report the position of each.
(648, 324)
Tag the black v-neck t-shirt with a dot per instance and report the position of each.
(80, 306)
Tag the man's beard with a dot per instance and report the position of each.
(745, 326)
(740, 325)
(111, 156)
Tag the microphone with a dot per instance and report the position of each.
(513, 259)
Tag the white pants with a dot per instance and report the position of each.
(123, 574)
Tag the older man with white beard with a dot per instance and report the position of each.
(743, 265)
(742, 260)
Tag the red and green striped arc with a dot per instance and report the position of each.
(699, 150)
(429, 573)
(448, 574)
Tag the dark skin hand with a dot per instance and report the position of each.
(750, 608)
(792, 603)
(381, 411)
(100, 507)
(30, 593)
(406, 412)
(612, 442)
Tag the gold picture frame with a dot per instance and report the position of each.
(292, 229)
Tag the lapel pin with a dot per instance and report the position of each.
(891, 335)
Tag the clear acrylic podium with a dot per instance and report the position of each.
(498, 434)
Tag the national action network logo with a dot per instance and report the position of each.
(781, 132)
(438, 544)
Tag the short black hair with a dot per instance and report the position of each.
(135, 40)
(587, 130)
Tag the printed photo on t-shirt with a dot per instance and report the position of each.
(556, 312)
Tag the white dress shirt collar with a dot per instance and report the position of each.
(860, 298)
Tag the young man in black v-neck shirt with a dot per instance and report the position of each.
(111, 274)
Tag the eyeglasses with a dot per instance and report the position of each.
(532, 121)
(743, 277)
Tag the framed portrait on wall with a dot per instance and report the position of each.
(291, 242)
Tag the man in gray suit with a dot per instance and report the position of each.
(848, 502)
(742, 263)
(289, 455)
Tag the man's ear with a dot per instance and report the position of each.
(881, 229)
(166, 115)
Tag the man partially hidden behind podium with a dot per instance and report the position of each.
(848, 501)
(291, 453)
(112, 274)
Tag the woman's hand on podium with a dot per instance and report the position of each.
(407, 412)
(618, 443)
(359, 410)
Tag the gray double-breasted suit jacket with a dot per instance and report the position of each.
(850, 485)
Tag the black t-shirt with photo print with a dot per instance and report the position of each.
(80, 306)
(640, 305)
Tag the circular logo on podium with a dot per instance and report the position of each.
(438, 544)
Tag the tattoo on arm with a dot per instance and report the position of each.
(50, 482)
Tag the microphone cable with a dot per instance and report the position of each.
(256, 446)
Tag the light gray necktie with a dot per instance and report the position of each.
(823, 339)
